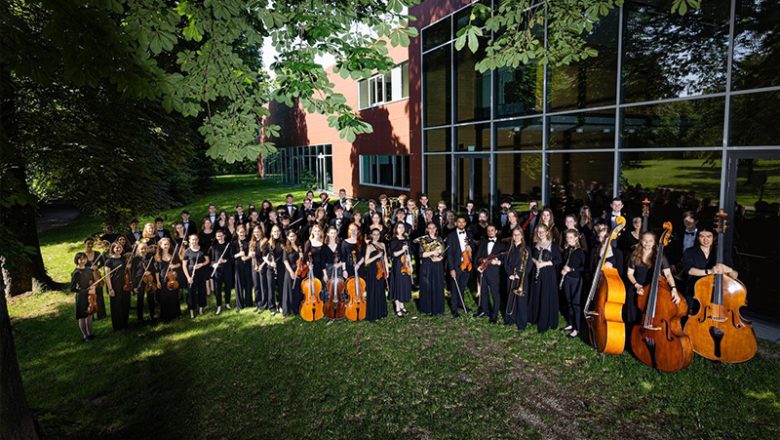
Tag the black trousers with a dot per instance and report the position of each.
(139, 302)
(490, 290)
(243, 278)
(197, 291)
(572, 294)
(258, 281)
(223, 284)
(458, 293)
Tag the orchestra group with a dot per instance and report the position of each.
(612, 278)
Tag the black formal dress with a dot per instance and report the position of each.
(572, 286)
(517, 305)
(274, 276)
(400, 283)
(223, 277)
(291, 289)
(242, 274)
(98, 260)
(346, 256)
(643, 275)
(197, 290)
(693, 258)
(80, 281)
(431, 286)
(376, 297)
(140, 266)
(258, 276)
(543, 299)
(168, 298)
(120, 302)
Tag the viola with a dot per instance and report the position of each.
(128, 283)
(171, 280)
(311, 306)
(718, 331)
(334, 307)
(92, 300)
(356, 286)
(302, 267)
(149, 284)
(605, 321)
(380, 270)
(659, 342)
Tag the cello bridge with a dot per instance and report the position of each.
(717, 318)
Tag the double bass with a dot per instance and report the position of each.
(718, 331)
(334, 307)
(605, 321)
(356, 286)
(311, 306)
(659, 342)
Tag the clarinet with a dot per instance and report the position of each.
(563, 277)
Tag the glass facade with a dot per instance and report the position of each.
(302, 164)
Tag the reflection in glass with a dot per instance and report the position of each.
(756, 45)
(519, 91)
(473, 181)
(755, 119)
(436, 34)
(522, 134)
(591, 82)
(462, 17)
(472, 88)
(582, 130)
(674, 182)
(689, 123)
(578, 179)
(437, 77)
(519, 177)
(437, 140)
(667, 55)
(438, 173)
(474, 137)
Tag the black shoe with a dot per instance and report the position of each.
(90, 337)
(455, 315)
(493, 321)
(479, 314)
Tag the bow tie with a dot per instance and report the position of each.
(690, 233)
(492, 240)
(461, 232)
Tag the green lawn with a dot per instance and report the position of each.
(249, 376)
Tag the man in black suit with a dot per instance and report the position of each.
(439, 218)
(240, 217)
(490, 278)
(479, 229)
(471, 213)
(503, 215)
(108, 234)
(325, 204)
(616, 210)
(290, 209)
(682, 240)
(529, 220)
(135, 233)
(189, 226)
(458, 241)
(340, 222)
(213, 216)
(160, 228)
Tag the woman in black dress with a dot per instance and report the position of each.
(143, 265)
(166, 264)
(196, 264)
(331, 258)
(585, 225)
(242, 269)
(546, 218)
(517, 267)
(570, 222)
(700, 261)
(119, 298)
(571, 272)
(630, 239)
(95, 261)
(314, 246)
(291, 289)
(376, 277)
(640, 269)
(351, 250)
(543, 300)
(375, 222)
(432, 275)
(256, 250)
(81, 284)
(222, 268)
(400, 282)
(274, 275)
(206, 236)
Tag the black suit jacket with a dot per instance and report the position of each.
(190, 228)
(482, 252)
(454, 251)
(295, 212)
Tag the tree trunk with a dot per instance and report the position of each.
(16, 419)
(18, 211)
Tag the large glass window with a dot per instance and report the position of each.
(582, 130)
(473, 182)
(578, 179)
(667, 55)
(755, 119)
(519, 178)
(385, 170)
(438, 172)
(474, 137)
(437, 34)
(674, 182)
(436, 77)
(437, 140)
(756, 45)
(472, 88)
(522, 134)
(591, 82)
(519, 91)
(689, 123)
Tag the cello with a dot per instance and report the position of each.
(311, 306)
(718, 331)
(356, 286)
(334, 306)
(605, 322)
(659, 342)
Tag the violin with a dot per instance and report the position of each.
(311, 306)
(356, 286)
(92, 300)
(605, 321)
(718, 331)
(171, 281)
(659, 342)
(334, 308)
(487, 260)
(128, 283)
(302, 266)
(149, 284)
(465, 264)
(406, 261)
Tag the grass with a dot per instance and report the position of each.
(256, 376)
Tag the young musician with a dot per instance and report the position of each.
(570, 222)
(291, 289)
(440, 217)
(196, 264)
(630, 239)
(81, 283)
(340, 221)
(546, 219)
(242, 268)
(512, 223)
(135, 232)
(213, 216)
(701, 260)
(108, 234)
(143, 267)
(470, 214)
(189, 226)
(167, 264)
(375, 222)
(274, 277)
(571, 286)
(239, 216)
(529, 220)
(160, 230)
(432, 274)
(206, 236)
(585, 225)
(490, 277)
(256, 249)
(220, 256)
(314, 245)
(640, 271)
(400, 281)
(95, 260)
(459, 251)
(503, 215)
(290, 209)
(119, 298)
(616, 210)
(518, 268)
(350, 244)
(543, 299)
(376, 261)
